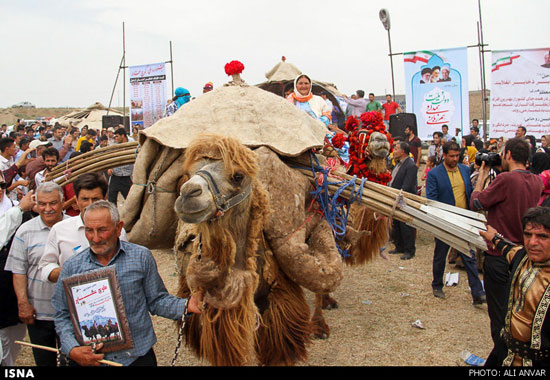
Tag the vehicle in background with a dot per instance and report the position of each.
(23, 105)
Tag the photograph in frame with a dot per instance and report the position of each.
(97, 310)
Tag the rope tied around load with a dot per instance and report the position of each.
(335, 208)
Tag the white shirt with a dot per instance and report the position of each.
(25, 253)
(5, 164)
(65, 239)
(9, 221)
(40, 177)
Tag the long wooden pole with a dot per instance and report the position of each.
(46, 348)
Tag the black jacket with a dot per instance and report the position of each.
(406, 177)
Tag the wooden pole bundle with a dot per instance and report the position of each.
(459, 228)
(96, 160)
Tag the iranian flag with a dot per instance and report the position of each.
(418, 56)
(505, 61)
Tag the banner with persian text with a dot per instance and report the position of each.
(520, 92)
(436, 90)
(147, 94)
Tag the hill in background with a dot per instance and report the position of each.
(9, 116)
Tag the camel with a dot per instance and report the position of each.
(250, 248)
(370, 145)
(91, 332)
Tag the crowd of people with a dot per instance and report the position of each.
(506, 179)
(51, 232)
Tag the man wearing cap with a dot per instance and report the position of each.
(111, 136)
(208, 87)
(38, 164)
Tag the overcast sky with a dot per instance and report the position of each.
(67, 52)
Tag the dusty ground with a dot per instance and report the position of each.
(373, 325)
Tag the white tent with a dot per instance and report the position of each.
(91, 116)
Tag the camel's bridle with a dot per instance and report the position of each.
(222, 203)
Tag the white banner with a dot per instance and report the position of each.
(437, 90)
(147, 94)
(520, 92)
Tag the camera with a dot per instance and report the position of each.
(491, 159)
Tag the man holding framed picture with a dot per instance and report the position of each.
(141, 287)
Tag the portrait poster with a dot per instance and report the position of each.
(97, 310)
(147, 94)
(520, 92)
(436, 90)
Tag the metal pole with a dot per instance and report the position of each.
(482, 63)
(114, 87)
(172, 69)
(124, 73)
(391, 63)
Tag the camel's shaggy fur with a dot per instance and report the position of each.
(253, 309)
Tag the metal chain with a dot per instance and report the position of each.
(180, 335)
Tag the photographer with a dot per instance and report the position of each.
(492, 160)
(506, 200)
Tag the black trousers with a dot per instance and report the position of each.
(43, 333)
(147, 360)
(495, 279)
(118, 185)
(438, 268)
(404, 238)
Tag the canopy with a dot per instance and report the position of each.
(91, 116)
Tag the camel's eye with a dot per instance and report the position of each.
(237, 178)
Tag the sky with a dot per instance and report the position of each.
(67, 53)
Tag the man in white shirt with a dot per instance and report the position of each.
(68, 237)
(7, 152)
(33, 295)
(11, 329)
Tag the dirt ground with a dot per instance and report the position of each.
(373, 326)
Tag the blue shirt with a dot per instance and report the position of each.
(143, 292)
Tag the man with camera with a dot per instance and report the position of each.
(505, 199)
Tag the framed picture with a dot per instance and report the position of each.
(97, 310)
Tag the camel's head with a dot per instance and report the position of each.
(219, 172)
(379, 146)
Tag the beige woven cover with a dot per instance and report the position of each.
(252, 115)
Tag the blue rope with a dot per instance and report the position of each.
(335, 208)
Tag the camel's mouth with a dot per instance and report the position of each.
(194, 216)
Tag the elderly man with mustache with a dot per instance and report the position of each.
(142, 289)
(33, 296)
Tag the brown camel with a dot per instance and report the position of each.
(244, 219)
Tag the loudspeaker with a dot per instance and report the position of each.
(399, 121)
(108, 121)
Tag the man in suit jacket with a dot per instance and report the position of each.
(404, 177)
(449, 182)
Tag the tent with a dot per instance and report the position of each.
(91, 116)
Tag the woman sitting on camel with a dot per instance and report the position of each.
(303, 98)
